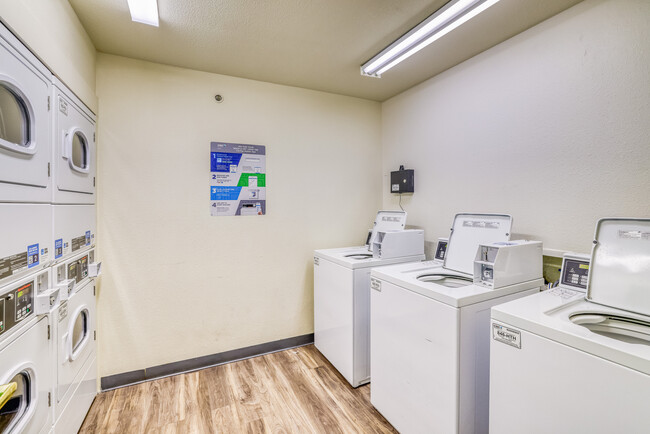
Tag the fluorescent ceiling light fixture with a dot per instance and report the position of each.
(443, 21)
(144, 11)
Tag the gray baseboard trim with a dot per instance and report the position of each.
(174, 368)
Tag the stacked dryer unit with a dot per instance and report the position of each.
(47, 260)
(74, 265)
(25, 240)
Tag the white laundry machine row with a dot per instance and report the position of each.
(26, 354)
(26, 234)
(74, 323)
(430, 326)
(25, 124)
(74, 228)
(342, 292)
(577, 358)
(74, 150)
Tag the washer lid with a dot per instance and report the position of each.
(387, 221)
(620, 265)
(470, 230)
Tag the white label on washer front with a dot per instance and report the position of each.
(375, 284)
(63, 106)
(63, 311)
(506, 335)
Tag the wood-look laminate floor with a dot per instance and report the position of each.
(292, 391)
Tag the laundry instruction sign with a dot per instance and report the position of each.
(237, 179)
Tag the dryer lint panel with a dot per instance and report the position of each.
(26, 234)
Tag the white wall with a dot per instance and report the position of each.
(552, 126)
(53, 32)
(180, 284)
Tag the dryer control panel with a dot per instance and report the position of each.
(78, 270)
(16, 305)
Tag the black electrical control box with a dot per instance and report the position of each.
(402, 181)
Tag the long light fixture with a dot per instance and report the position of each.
(144, 11)
(441, 22)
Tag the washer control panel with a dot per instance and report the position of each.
(575, 273)
(441, 249)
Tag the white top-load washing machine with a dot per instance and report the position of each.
(73, 148)
(431, 326)
(342, 292)
(25, 356)
(577, 358)
(25, 133)
(75, 340)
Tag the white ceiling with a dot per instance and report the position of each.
(311, 44)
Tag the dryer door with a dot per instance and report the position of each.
(74, 151)
(76, 324)
(24, 126)
(26, 362)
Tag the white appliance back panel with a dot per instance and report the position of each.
(470, 230)
(619, 275)
(387, 221)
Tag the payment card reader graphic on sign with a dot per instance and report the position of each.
(237, 179)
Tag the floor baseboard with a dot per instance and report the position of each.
(182, 366)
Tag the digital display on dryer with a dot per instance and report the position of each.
(83, 268)
(24, 297)
(575, 273)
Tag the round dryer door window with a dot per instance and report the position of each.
(79, 151)
(14, 118)
(79, 330)
(16, 406)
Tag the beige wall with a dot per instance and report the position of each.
(179, 283)
(552, 126)
(53, 32)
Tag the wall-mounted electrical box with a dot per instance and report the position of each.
(402, 181)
